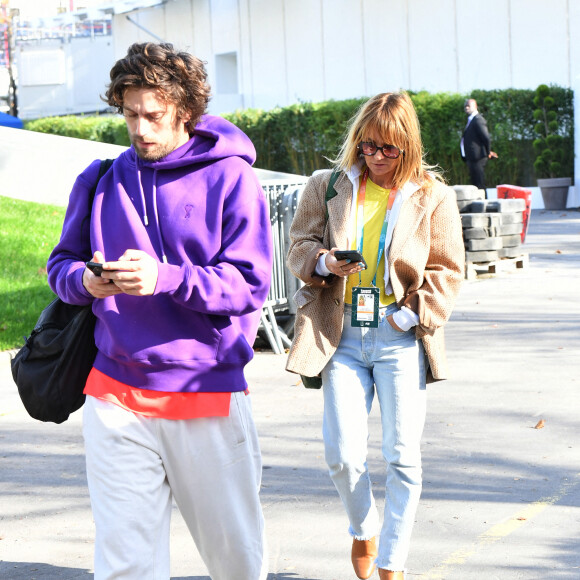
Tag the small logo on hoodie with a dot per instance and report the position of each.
(188, 209)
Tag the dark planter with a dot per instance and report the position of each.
(555, 191)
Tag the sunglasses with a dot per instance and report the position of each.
(369, 148)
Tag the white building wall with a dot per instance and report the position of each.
(386, 47)
(58, 78)
(267, 67)
(540, 42)
(152, 19)
(484, 45)
(224, 25)
(311, 50)
(305, 57)
(178, 19)
(200, 31)
(345, 68)
(432, 45)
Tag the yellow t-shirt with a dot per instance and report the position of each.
(375, 207)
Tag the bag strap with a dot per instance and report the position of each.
(330, 191)
(104, 167)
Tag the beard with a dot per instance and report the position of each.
(152, 153)
(157, 150)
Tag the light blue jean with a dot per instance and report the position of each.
(390, 364)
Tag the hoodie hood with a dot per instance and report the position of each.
(213, 138)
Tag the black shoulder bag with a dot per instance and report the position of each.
(52, 367)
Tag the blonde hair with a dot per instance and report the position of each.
(393, 117)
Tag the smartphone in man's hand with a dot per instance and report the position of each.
(96, 268)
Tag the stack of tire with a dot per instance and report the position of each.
(491, 228)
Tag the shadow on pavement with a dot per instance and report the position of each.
(36, 571)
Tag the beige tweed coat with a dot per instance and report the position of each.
(425, 260)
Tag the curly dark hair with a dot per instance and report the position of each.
(180, 78)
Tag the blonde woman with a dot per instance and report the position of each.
(396, 212)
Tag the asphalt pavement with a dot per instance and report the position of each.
(501, 449)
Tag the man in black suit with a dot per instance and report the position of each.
(476, 145)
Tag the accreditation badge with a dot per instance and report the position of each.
(365, 306)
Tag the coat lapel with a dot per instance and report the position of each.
(339, 212)
(410, 216)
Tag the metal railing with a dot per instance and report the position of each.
(282, 196)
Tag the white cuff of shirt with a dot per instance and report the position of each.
(405, 318)
(321, 268)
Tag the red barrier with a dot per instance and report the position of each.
(513, 191)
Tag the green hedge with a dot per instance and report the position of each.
(299, 138)
(302, 137)
(106, 129)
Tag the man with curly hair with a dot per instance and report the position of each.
(181, 232)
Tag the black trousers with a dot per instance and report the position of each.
(477, 173)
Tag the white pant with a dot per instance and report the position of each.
(212, 466)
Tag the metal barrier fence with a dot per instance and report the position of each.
(282, 196)
(63, 158)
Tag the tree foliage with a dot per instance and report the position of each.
(550, 130)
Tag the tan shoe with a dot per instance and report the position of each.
(390, 575)
(363, 555)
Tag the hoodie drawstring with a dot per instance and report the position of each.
(155, 212)
(145, 218)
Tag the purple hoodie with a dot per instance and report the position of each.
(201, 212)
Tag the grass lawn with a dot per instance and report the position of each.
(28, 233)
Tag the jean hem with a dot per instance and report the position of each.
(362, 537)
(390, 568)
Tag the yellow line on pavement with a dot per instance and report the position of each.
(497, 532)
(10, 412)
